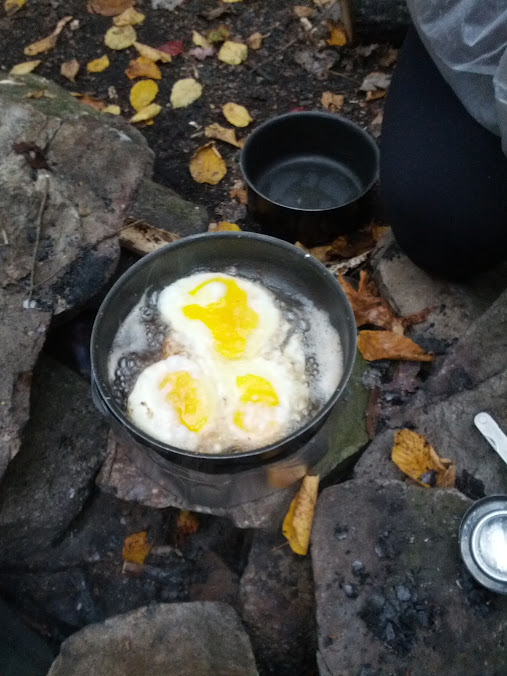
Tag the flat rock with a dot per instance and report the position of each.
(178, 639)
(393, 597)
(278, 607)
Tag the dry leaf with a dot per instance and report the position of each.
(375, 345)
(368, 306)
(142, 238)
(199, 40)
(297, 525)
(147, 113)
(417, 458)
(136, 547)
(231, 1)
(143, 93)
(219, 34)
(375, 80)
(338, 36)
(24, 68)
(70, 69)
(91, 101)
(224, 226)
(255, 40)
(109, 7)
(40, 94)
(373, 96)
(239, 193)
(112, 109)
(222, 134)
(120, 37)
(98, 65)
(303, 11)
(130, 17)
(332, 102)
(237, 115)
(207, 165)
(233, 53)
(48, 43)
(153, 54)
(143, 67)
(185, 92)
(12, 6)
(173, 47)
(187, 523)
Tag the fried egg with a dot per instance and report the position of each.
(227, 317)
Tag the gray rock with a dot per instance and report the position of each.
(179, 639)
(278, 607)
(51, 478)
(417, 610)
(166, 4)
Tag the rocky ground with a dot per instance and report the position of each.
(383, 590)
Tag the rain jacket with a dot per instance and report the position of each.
(467, 40)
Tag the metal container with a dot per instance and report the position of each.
(228, 478)
(310, 176)
(483, 542)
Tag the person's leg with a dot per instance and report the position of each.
(443, 177)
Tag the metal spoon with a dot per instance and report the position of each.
(492, 433)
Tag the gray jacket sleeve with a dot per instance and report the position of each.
(467, 40)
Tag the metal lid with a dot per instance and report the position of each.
(483, 542)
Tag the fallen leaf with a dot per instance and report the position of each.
(142, 238)
(390, 57)
(143, 67)
(219, 34)
(187, 522)
(207, 165)
(231, 1)
(143, 93)
(283, 476)
(70, 69)
(297, 525)
(173, 47)
(316, 63)
(332, 102)
(222, 134)
(33, 154)
(375, 80)
(377, 94)
(201, 53)
(338, 36)
(112, 109)
(255, 40)
(199, 40)
(152, 53)
(417, 458)
(239, 193)
(237, 115)
(24, 68)
(98, 65)
(91, 101)
(130, 17)
(120, 37)
(223, 226)
(136, 548)
(303, 11)
(40, 94)
(12, 6)
(48, 43)
(109, 7)
(146, 114)
(375, 345)
(233, 53)
(185, 92)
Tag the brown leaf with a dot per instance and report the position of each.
(109, 7)
(303, 11)
(143, 67)
(220, 133)
(375, 345)
(417, 458)
(48, 43)
(136, 548)
(297, 525)
(368, 306)
(374, 95)
(142, 238)
(187, 522)
(332, 102)
(70, 69)
(33, 154)
(91, 101)
(255, 41)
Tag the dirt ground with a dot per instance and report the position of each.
(275, 79)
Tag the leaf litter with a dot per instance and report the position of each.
(49, 42)
(220, 133)
(207, 165)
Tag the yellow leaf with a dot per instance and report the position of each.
(187, 523)
(143, 67)
(185, 92)
(12, 6)
(417, 458)
(70, 69)
(98, 65)
(233, 53)
(136, 547)
(113, 109)
(375, 345)
(207, 165)
(224, 226)
(143, 93)
(338, 36)
(130, 17)
(120, 37)
(222, 134)
(200, 40)
(255, 40)
(152, 53)
(237, 115)
(332, 102)
(231, 1)
(297, 525)
(146, 114)
(24, 68)
(109, 7)
(48, 43)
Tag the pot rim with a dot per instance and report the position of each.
(272, 449)
(311, 113)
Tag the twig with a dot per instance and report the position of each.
(5, 238)
(345, 76)
(38, 227)
(278, 51)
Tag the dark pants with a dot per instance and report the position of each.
(443, 176)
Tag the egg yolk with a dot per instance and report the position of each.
(230, 319)
(186, 399)
(254, 390)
